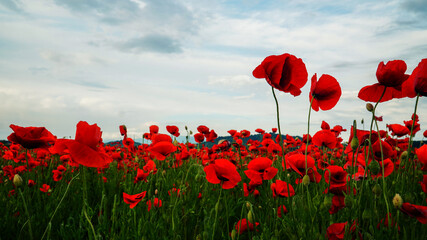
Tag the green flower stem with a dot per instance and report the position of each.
(30, 230)
(308, 136)
(382, 169)
(216, 214)
(85, 202)
(283, 151)
(411, 136)
(59, 204)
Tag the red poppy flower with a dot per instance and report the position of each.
(232, 132)
(249, 189)
(280, 188)
(336, 231)
(284, 72)
(297, 163)
(133, 200)
(336, 176)
(156, 202)
(388, 168)
(425, 134)
(203, 129)
(123, 130)
(211, 136)
(245, 133)
(281, 210)
(162, 149)
(85, 149)
(260, 131)
(31, 137)
(141, 175)
(45, 188)
(244, 225)
(199, 137)
(274, 130)
(390, 77)
(156, 138)
(325, 138)
(422, 156)
(338, 203)
(409, 123)
(417, 82)
(260, 169)
(224, 172)
(398, 130)
(424, 184)
(173, 130)
(415, 211)
(154, 129)
(326, 92)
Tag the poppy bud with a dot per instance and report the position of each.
(306, 180)
(191, 132)
(186, 128)
(354, 144)
(397, 201)
(175, 143)
(377, 190)
(233, 234)
(250, 216)
(374, 167)
(199, 237)
(17, 180)
(404, 155)
(327, 202)
(155, 192)
(348, 201)
(369, 107)
(248, 205)
(163, 172)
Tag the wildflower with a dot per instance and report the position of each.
(325, 93)
(285, 72)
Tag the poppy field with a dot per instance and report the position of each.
(271, 186)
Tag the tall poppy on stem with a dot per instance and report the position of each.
(286, 73)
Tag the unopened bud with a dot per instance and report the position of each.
(155, 192)
(348, 201)
(233, 234)
(175, 143)
(186, 128)
(404, 155)
(354, 144)
(306, 180)
(374, 167)
(369, 107)
(248, 205)
(163, 172)
(377, 190)
(17, 180)
(397, 201)
(327, 202)
(250, 216)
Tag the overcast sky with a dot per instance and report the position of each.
(190, 62)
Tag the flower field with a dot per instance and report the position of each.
(370, 186)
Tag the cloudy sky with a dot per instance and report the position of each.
(190, 62)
